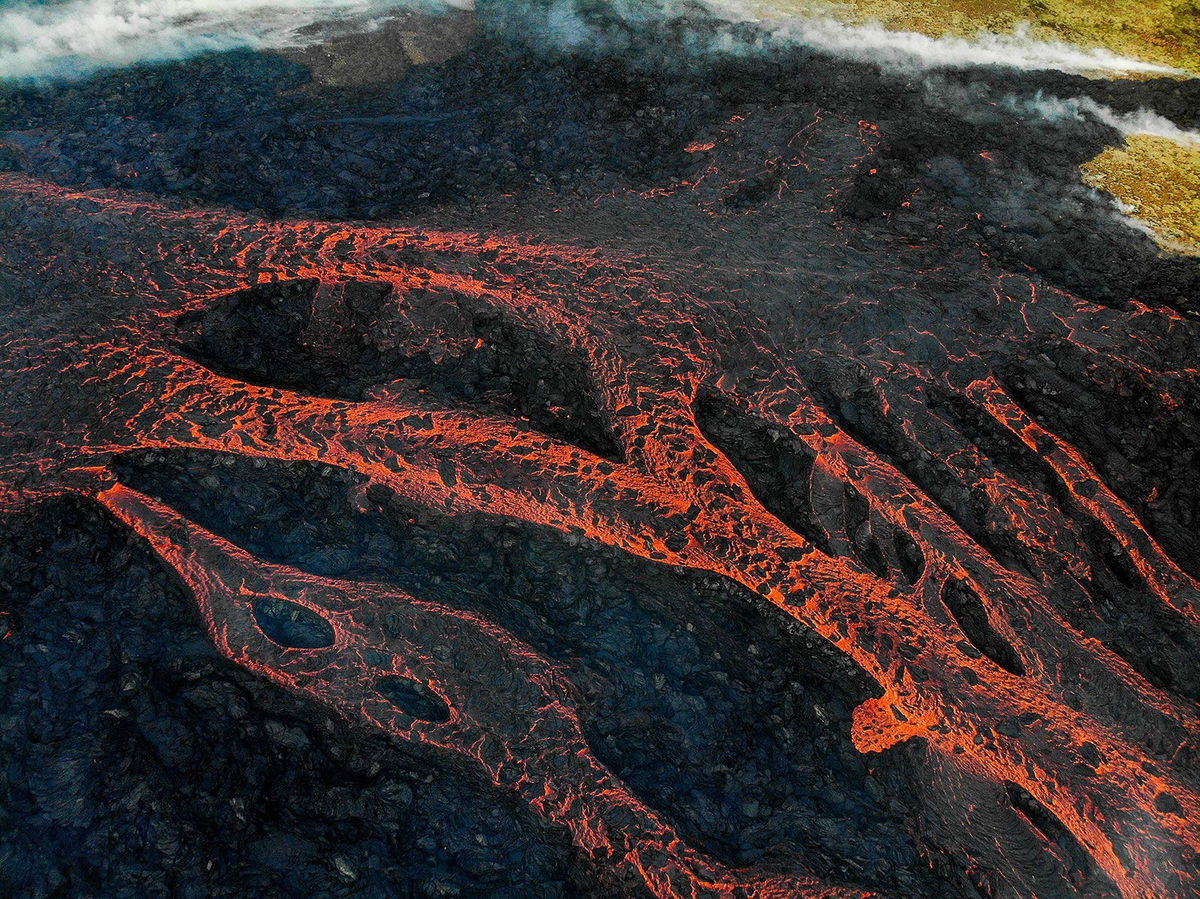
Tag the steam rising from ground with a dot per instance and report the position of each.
(910, 50)
(1147, 184)
(1144, 121)
(75, 37)
(742, 27)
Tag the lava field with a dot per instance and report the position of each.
(560, 473)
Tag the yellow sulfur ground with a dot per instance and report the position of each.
(1166, 32)
(1159, 181)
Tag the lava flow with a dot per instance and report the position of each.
(891, 473)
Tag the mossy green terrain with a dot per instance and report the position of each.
(1158, 181)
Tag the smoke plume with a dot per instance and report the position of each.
(76, 37)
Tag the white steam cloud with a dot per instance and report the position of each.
(908, 50)
(1059, 110)
(753, 27)
(75, 37)
(1056, 109)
